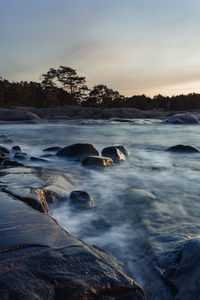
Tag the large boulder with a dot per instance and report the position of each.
(40, 260)
(186, 118)
(114, 153)
(97, 161)
(81, 200)
(78, 150)
(183, 274)
(183, 149)
(17, 115)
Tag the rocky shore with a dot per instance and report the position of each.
(38, 258)
(76, 112)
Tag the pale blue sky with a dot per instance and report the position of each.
(134, 46)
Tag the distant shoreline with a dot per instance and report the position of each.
(78, 113)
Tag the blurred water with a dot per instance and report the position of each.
(145, 208)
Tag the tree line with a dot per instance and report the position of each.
(63, 86)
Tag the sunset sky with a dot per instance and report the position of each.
(133, 46)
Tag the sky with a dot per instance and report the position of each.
(134, 46)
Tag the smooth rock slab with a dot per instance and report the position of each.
(97, 161)
(40, 260)
(183, 149)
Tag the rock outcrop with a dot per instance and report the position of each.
(40, 260)
(185, 118)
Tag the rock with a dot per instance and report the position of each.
(81, 200)
(55, 194)
(4, 150)
(3, 136)
(11, 163)
(40, 260)
(97, 161)
(52, 149)
(114, 153)
(183, 149)
(186, 118)
(33, 197)
(21, 155)
(36, 159)
(47, 155)
(7, 141)
(183, 274)
(78, 151)
(17, 115)
(16, 148)
(123, 149)
(2, 157)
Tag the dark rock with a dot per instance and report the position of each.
(97, 161)
(123, 149)
(55, 194)
(4, 150)
(11, 163)
(47, 155)
(52, 149)
(78, 151)
(3, 136)
(16, 148)
(2, 157)
(81, 200)
(183, 274)
(183, 149)
(114, 153)
(40, 260)
(21, 155)
(186, 118)
(36, 159)
(7, 141)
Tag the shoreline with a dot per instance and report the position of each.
(83, 113)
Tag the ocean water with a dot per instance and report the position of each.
(146, 208)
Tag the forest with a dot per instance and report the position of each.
(63, 86)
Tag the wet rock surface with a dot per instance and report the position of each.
(78, 150)
(81, 200)
(114, 153)
(97, 161)
(40, 260)
(183, 149)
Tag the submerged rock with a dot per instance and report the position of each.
(114, 153)
(21, 155)
(11, 163)
(97, 161)
(183, 149)
(78, 150)
(4, 150)
(36, 159)
(52, 149)
(186, 118)
(16, 148)
(81, 200)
